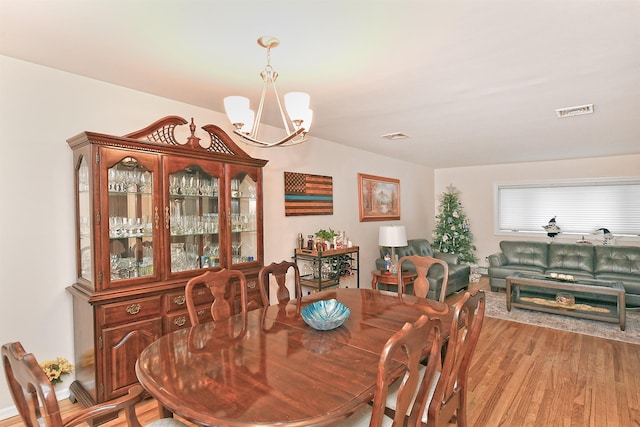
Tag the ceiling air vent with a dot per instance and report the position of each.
(574, 111)
(395, 136)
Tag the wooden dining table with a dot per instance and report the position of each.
(268, 367)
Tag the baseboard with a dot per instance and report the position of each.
(12, 411)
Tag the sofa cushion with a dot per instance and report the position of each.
(525, 253)
(617, 260)
(446, 257)
(571, 258)
(421, 247)
(459, 273)
(508, 270)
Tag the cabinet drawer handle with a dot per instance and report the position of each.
(251, 284)
(179, 300)
(134, 309)
(201, 313)
(180, 321)
(201, 293)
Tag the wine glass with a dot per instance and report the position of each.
(112, 179)
(235, 251)
(132, 267)
(115, 263)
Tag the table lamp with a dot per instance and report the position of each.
(393, 236)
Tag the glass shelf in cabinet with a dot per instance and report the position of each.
(193, 234)
(121, 193)
(131, 236)
(194, 196)
(243, 197)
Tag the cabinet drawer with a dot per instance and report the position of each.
(180, 319)
(131, 310)
(177, 300)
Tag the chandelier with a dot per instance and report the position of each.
(247, 123)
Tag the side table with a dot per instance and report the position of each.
(382, 277)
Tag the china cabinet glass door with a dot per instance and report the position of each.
(133, 216)
(244, 215)
(193, 208)
(84, 220)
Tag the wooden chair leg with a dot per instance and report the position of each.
(164, 412)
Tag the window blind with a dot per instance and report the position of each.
(579, 208)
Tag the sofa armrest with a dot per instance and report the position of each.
(448, 258)
(497, 259)
(380, 264)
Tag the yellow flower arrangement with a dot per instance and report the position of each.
(55, 369)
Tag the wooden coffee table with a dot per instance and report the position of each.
(536, 293)
(385, 278)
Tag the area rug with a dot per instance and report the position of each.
(496, 306)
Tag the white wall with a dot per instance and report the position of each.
(40, 108)
(476, 185)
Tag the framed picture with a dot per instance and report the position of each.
(378, 197)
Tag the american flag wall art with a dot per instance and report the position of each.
(306, 194)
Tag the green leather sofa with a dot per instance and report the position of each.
(458, 273)
(613, 263)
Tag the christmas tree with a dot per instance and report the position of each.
(452, 234)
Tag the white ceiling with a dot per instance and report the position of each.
(471, 82)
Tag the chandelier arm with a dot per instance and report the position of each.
(285, 122)
(283, 141)
(258, 118)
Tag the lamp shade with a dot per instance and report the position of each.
(236, 108)
(393, 236)
(297, 103)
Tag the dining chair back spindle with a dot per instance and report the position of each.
(35, 396)
(279, 272)
(450, 396)
(220, 282)
(417, 384)
(421, 283)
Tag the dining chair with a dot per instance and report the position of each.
(35, 396)
(219, 281)
(279, 272)
(449, 391)
(450, 395)
(416, 386)
(421, 283)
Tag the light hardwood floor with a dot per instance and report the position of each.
(525, 375)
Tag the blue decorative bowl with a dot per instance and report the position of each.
(325, 315)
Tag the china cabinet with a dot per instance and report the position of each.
(152, 212)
